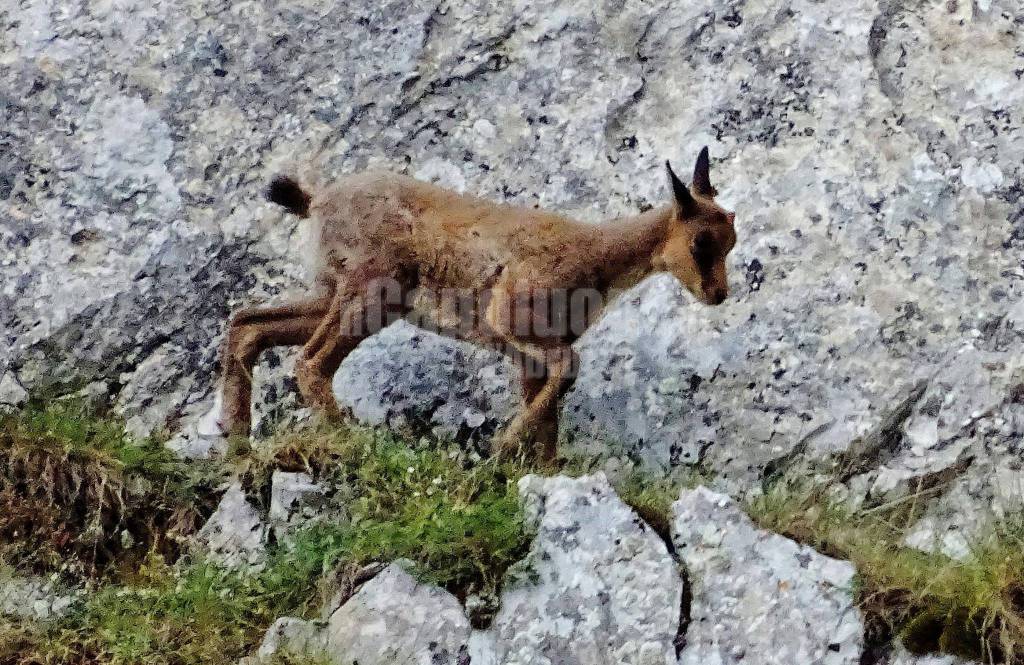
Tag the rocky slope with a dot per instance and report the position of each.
(871, 150)
(599, 586)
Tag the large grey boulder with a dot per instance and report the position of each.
(759, 598)
(415, 381)
(873, 249)
(597, 586)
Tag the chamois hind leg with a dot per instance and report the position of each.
(347, 322)
(541, 391)
(251, 331)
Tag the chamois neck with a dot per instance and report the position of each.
(627, 246)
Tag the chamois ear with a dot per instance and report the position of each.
(682, 195)
(702, 175)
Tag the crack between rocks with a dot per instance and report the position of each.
(686, 595)
(685, 607)
(868, 451)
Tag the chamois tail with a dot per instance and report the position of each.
(286, 192)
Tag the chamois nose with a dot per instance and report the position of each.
(719, 296)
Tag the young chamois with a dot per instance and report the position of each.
(386, 245)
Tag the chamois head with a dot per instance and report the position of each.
(701, 234)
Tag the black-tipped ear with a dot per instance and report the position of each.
(682, 195)
(702, 175)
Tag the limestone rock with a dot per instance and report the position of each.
(235, 535)
(33, 597)
(759, 597)
(414, 380)
(871, 154)
(597, 586)
(391, 619)
(960, 445)
(288, 636)
(296, 500)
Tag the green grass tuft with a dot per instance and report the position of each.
(652, 496)
(459, 519)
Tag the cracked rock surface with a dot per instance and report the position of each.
(871, 150)
(601, 585)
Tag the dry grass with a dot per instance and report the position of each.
(460, 523)
(972, 608)
(80, 497)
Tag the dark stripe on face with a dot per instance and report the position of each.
(705, 254)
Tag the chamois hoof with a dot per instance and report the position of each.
(512, 445)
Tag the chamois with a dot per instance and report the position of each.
(382, 241)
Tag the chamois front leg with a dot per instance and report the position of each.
(252, 331)
(349, 320)
(539, 418)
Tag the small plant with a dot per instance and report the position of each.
(458, 519)
(652, 496)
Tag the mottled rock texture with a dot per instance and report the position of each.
(871, 150)
(415, 381)
(598, 584)
(236, 533)
(295, 498)
(758, 597)
(33, 597)
(391, 619)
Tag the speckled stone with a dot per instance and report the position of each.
(32, 597)
(759, 598)
(871, 151)
(391, 619)
(236, 534)
(418, 382)
(597, 586)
